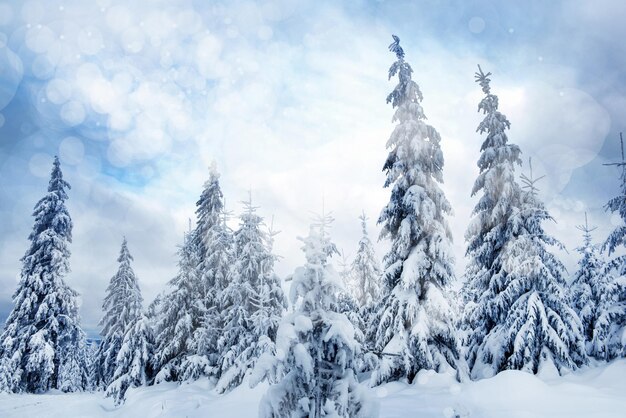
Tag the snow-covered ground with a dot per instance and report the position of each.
(598, 392)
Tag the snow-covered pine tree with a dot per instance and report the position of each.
(134, 360)
(270, 305)
(218, 265)
(74, 372)
(345, 273)
(588, 287)
(366, 273)
(414, 324)
(538, 327)
(365, 269)
(492, 225)
(209, 212)
(93, 369)
(179, 314)
(209, 209)
(347, 302)
(201, 350)
(6, 384)
(313, 371)
(42, 343)
(254, 302)
(122, 308)
(517, 310)
(609, 339)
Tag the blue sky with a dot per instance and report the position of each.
(288, 98)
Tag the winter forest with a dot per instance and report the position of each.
(516, 307)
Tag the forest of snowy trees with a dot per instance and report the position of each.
(318, 334)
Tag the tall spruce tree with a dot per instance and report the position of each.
(491, 227)
(313, 372)
(414, 324)
(179, 315)
(271, 302)
(190, 315)
(209, 209)
(210, 233)
(347, 302)
(253, 302)
(201, 351)
(517, 310)
(42, 345)
(588, 287)
(218, 265)
(365, 269)
(125, 354)
(122, 308)
(134, 360)
(610, 335)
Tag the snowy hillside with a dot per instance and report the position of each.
(595, 392)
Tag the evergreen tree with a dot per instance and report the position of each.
(209, 209)
(122, 308)
(5, 375)
(414, 324)
(201, 355)
(587, 291)
(42, 344)
(209, 233)
(365, 269)
(314, 374)
(538, 326)
(254, 302)
(133, 362)
(610, 333)
(93, 367)
(492, 226)
(179, 315)
(218, 265)
(517, 309)
(347, 302)
(346, 274)
(270, 305)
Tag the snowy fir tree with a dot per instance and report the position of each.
(125, 355)
(179, 314)
(253, 302)
(347, 302)
(209, 208)
(313, 371)
(218, 265)
(492, 226)
(366, 275)
(610, 334)
(42, 345)
(270, 304)
(122, 308)
(133, 362)
(517, 308)
(93, 367)
(209, 237)
(414, 325)
(209, 228)
(588, 289)
(539, 328)
(5, 375)
(345, 273)
(365, 269)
